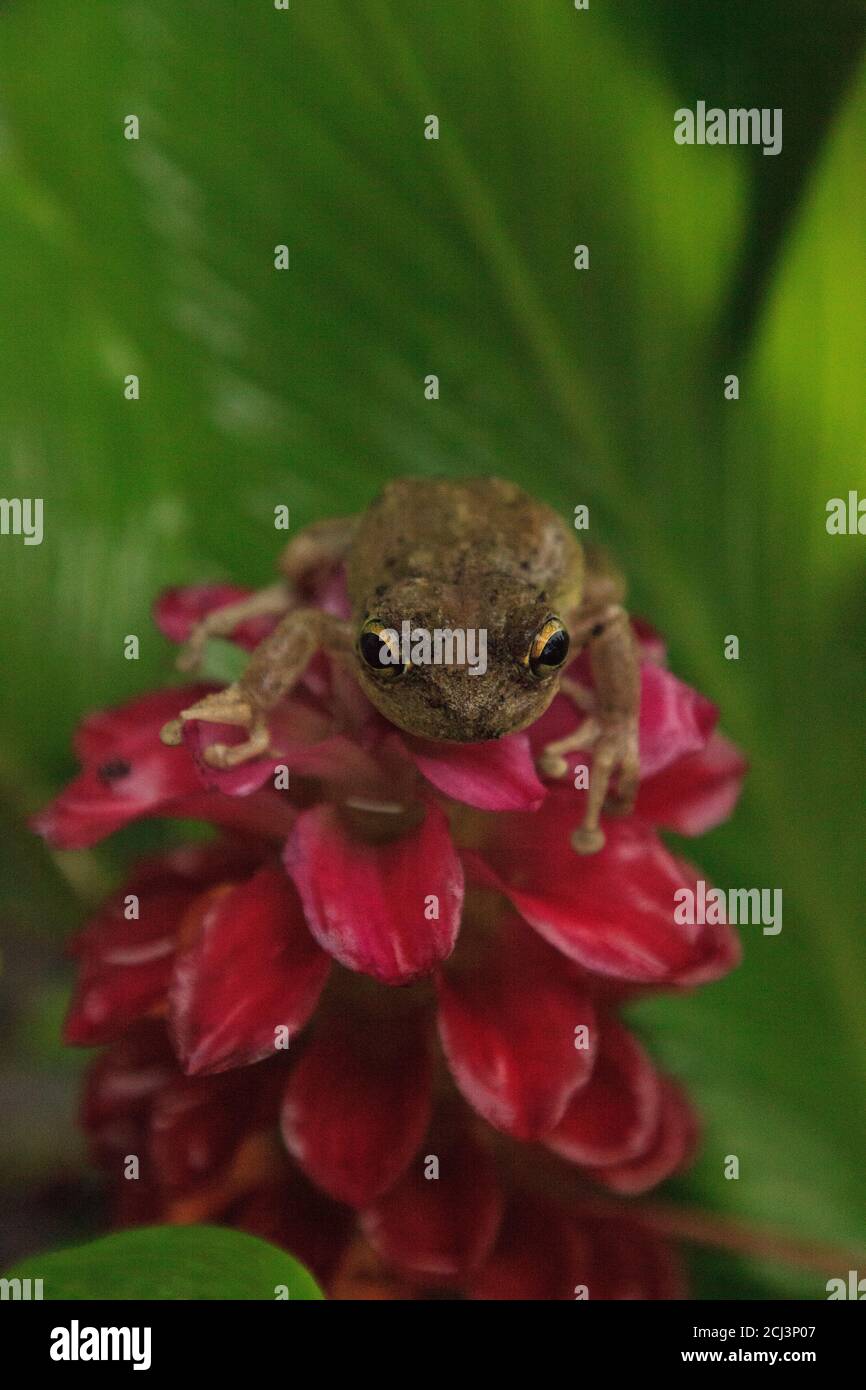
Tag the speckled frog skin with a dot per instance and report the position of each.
(442, 555)
(480, 554)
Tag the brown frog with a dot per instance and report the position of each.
(439, 558)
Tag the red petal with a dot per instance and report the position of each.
(177, 611)
(669, 1150)
(199, 735)
(340, 763)
(365, 903)
(302, 740)
(539, 1256)
(127, 772)
(125, 965)
(696, 793)
(253, 968)
(127, 727)
(498, 775)
(507, 1024)
(674, 719)
(612, 912)
(195, 1127)
(650, 642)
(443, 1226)
(199, 865)
(616, 1115)
(356, 1108)
(295, 720)
(265, 814)
(629, 1262)
(328, 590)
(136, 1203)
(119, 1091)
(545, 1253)
(290, 1212)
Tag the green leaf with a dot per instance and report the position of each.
(223, 662)
(170, 1262)
(777, 1053)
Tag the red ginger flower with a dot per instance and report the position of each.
(390, 860)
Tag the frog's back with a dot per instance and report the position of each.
(455, 532)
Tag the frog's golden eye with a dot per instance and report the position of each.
(549, 648)
(379, 647)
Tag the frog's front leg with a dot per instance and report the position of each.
(319, 546)
(611, 729)
(221, 622)
(274, 668)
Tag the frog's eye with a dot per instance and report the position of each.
(549, 648)
(379, 647)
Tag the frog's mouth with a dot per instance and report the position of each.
(454, 707)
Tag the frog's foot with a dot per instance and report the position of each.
(229, 706)
(222, 622)
(552, 760)
(614, 745)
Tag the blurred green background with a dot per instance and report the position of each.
(305, 127)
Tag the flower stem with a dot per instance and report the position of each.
(692, 1225)
(722, 1233)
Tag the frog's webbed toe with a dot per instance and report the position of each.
(229, 706)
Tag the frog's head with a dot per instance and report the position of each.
(446, 664)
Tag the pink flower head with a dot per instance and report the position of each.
(263, 1063)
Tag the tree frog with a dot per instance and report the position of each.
(434, 556)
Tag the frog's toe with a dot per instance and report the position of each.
(552, 764)
(229, 706)
(225, 756)
(171, 734)
(587, 840)
(552, 760)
